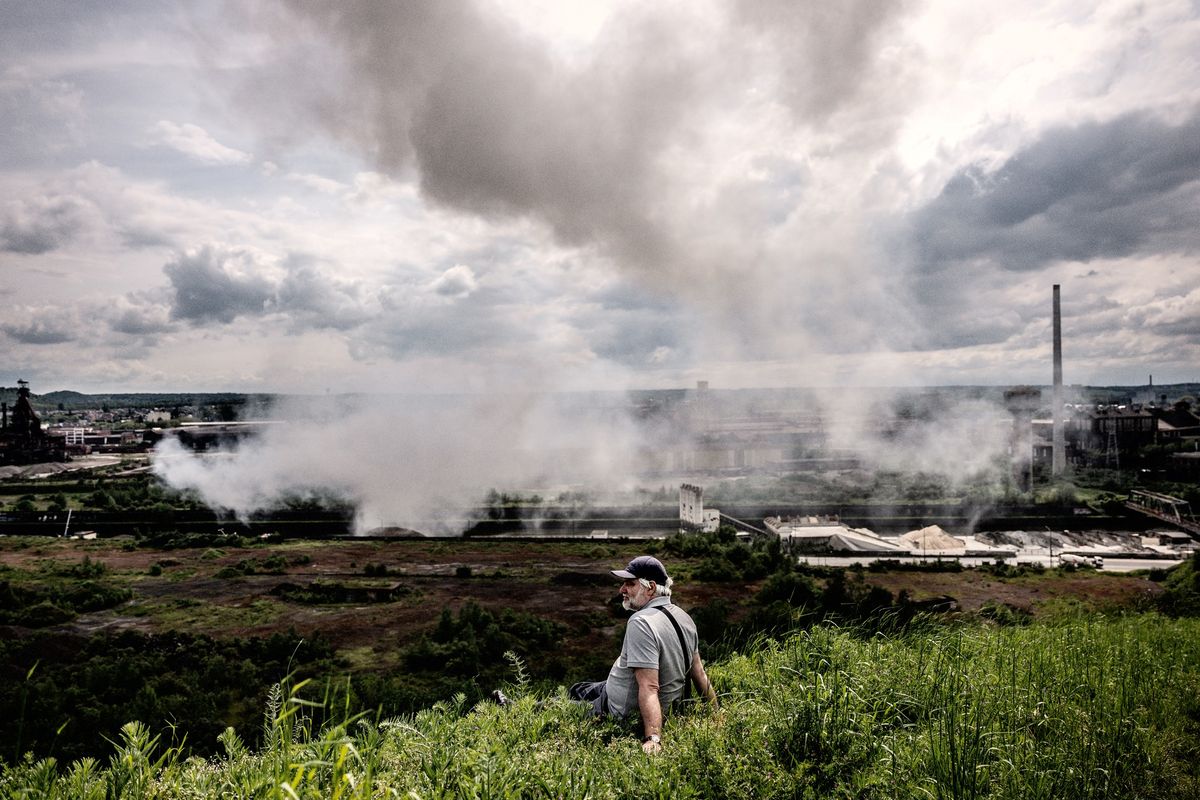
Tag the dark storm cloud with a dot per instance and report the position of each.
(214, 286)
(39, 225)
(88, 203)
(1110, 190)
(316, 297)
(41, 331)
(951, 316)
(492, 121)
(495, 126)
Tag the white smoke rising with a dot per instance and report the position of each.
(422, 464)
(767, 232)
(625, 148)
(931, 432)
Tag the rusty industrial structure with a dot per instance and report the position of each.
(22, 439)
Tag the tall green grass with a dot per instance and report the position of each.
(1106, 708)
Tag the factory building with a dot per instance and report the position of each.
(812, 534)
(693, 516)
(22, 439)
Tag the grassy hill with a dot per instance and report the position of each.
(1055, 683)
(1104, 708)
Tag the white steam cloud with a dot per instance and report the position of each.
(785, 238)
(421, 463)
(624, 146)
(954, 439)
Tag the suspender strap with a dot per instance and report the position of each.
(687, 661)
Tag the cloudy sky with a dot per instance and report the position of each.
(307, 197)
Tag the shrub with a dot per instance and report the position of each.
(42, 615)
(1181, 589)
(87, 568)
(474, 641)
(1005, 614)
(1099, 708)
(789, 587)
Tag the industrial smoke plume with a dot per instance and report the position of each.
(760, 243)
(427, 463)
(407, 463)
(619, 148)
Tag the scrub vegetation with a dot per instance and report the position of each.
(1102, 708)
(835, 683)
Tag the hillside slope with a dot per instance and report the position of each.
(1098, 709)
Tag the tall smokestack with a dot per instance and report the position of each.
(1059, 459)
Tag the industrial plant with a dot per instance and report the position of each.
(733, 439)
(22, 438)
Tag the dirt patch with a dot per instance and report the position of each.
(974, 589)
(181, 589)
(566, 582)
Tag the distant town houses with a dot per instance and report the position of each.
(702, 432)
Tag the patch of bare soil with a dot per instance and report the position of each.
(567, 583)
(185, 590)
(973, 589)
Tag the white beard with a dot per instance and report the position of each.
(628, 605)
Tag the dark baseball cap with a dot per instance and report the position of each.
(647, 567)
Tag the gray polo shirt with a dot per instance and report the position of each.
(651, 643)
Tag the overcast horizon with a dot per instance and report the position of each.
(891, 391)
(524, 195)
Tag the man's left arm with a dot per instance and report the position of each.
(650, 708)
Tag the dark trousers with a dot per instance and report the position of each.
(594, 693)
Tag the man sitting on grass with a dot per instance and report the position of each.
(659, 657)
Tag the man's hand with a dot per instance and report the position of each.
(652, 747)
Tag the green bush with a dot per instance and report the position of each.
(42, 615)
(1181, 589)
(474, 641)
(87, 568)
(789, 587)
(71, 695)
(1005, 613)
(178, 540)
(44, 603)
(1091, 709)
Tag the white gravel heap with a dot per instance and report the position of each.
(931, 538)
